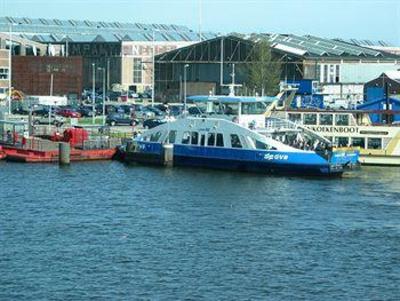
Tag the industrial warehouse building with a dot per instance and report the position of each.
(124, 50)
(338, 68)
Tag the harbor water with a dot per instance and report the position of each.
(108, 231)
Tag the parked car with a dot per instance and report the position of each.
(68, 112)
(157, 112)
(143, 113)
(175, 110)
(153, 122)
(86, 111)
(120, 119)
(54, 120)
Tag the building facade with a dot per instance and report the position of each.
(339, 69)
(36, 75)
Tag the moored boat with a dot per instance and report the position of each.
(223, 144)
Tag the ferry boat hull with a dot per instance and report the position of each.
(268, 162)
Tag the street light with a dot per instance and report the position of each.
(93, 92)
(9, 71)
(104, 94)
(184, 87)
(154, 66)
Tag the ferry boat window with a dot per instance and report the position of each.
(220, 140)
(235, 141)
(253, 108)
(326, 119)
(374, 143)
(373, 133)
(211, 139)
(342, 119)
(231, 109)
(261, 145)
(154, 137)
(186, 138)
(294, 117)
(358, 142)
(172, 136)
(202, 139)
(342, 141)
(195, 138)
(310, 119)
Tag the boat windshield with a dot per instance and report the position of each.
(247, 108)
(254, 108)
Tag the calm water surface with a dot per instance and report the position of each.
(106, 231)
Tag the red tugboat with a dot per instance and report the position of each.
(17, 148)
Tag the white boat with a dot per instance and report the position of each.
(239, 138)
(379, 144)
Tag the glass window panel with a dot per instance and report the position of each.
(358, 142)
(137, 70)
(195, 138)
(211, 139)
(342, 119)
(310, 119)
(172, 136)
(326, 119)
(235, 141)
(294, 117)
(220, 140)
(186, 138)
(342, 141)
(374, 143)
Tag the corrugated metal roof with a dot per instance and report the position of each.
(316, 46)
(80, 30)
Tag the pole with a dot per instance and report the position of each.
(10, 72)
(184, 88)
(93, 92)
(153, 72)
(104, 96)
(221, 80)
(108, 74)
(51, 94)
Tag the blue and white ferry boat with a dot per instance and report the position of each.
(236, 136)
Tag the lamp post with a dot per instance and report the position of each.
(153, 71)
(51, 94)
(93, 92)
(184, 87)
(104, 94)
(9, 71)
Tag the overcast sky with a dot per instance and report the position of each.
(362, 19)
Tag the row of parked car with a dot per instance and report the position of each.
(117, 114)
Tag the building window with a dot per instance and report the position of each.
(137, 70)
(325, 74)
(337, 78)
(331, 73)
(3, 73)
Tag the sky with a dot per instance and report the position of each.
(360, 19)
